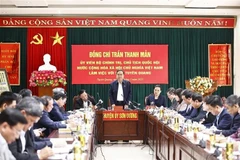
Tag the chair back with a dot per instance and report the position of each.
(145, 100)
(74, 101)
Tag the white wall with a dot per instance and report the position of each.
(236, 68)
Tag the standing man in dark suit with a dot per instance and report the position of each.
(223, 119)
(120, 92)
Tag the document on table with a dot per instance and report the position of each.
(61, 153)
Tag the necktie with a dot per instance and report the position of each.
(188, 108)
(217, 119)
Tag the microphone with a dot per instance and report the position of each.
(100, 102)
(137, 104)
(134, 106)
(98, 95)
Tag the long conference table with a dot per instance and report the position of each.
(164, 141)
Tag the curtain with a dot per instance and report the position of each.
(17, 35)
(43, 43)
(188, 55)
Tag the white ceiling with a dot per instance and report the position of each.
(120, 7)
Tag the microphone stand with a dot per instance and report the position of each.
(99, 104)
(135, 107)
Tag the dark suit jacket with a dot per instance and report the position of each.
(187, 112)
(193, 113)
(46, 122)
(174, 104)
(224, 121)
(234, 126)
(200, 114)
(56, 114)
(79, 102)
(236, 135)
(127, 92)
(209, 119)
(161, 101)
(16, 149)
(39, 143)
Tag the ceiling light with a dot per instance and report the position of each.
(202, 4)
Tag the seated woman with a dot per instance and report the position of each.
(157, 99)
(209, 118)
(232, 108)
(181, 104)
(45, 121)
(172, 97)
(59, 101)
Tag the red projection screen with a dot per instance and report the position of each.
(97, 64)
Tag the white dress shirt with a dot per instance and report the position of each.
(23, 140)
(85, 104)
(120, 92)
(5, 153)
(217, 117)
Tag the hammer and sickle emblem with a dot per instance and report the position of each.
(38, 39)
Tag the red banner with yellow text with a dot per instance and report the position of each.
(97, 64)
(220, 67)
(10, 60)
(120, 115)
(189, 22)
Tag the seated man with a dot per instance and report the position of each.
(209, 118)
(236, 135)
(7, 100)
(189, 112)
(45, 121)
(22, 148)
(157, 99)
(232, 108)
(11, 123)
(25, 93)
(198, 105)
(38, 142)
(84, 100)
(56, 113)
(223, 119)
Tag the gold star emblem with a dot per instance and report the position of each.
(57, 39)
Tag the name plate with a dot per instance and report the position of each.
(120, 115)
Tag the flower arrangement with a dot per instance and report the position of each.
(201, 85)
(47, 78)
